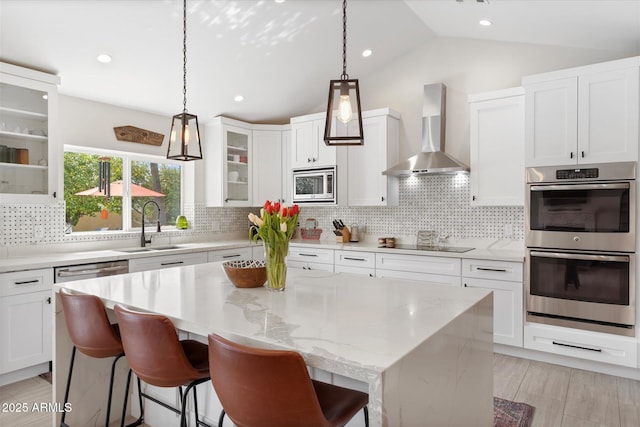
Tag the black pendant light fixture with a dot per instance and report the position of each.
(184, 138)
(343, 125)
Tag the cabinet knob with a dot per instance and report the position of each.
(226, 200)
(473, 198)
(313, 159)
(55, 194)
(571, 155)
(308, 159)
(465, 285)
(49, 300)
(382, 198)
(582, 154)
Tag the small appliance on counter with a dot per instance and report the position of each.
(310, 230)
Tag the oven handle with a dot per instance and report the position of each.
(604, 186)
(581, 256)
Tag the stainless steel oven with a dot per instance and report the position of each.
(591, 207)
(580, 267)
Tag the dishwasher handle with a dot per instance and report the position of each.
(95, 271)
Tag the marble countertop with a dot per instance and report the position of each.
(352, 330)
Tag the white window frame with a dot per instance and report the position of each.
(186, 171)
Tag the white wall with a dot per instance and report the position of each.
(466, 67)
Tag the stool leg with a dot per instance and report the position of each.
(366, 416)
(113, 371)
(221, 419)
(66, 392)
(195, 405)
(183, 405)
(126, 398)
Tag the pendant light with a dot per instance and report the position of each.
(184, 138)
(343, 125)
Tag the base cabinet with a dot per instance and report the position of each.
(587, 345)
(229, 254)
(26, 319)
(428, 269)
(310, 258)
(166, 261)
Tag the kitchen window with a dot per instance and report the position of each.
(130, 179)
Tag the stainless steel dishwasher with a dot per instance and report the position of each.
(69, 273)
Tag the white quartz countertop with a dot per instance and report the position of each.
(498, 251)
(341, 322)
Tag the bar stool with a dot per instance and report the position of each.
(272, 388)
(91, 333)
(157, 357)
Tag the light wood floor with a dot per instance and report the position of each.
(563, 397)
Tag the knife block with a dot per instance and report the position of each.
(345, 237)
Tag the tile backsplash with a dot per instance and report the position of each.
(436, 202)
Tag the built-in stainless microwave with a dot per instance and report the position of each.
(314, 185)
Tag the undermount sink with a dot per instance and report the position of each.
(149, 249)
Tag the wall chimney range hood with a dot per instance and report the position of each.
(431, 160)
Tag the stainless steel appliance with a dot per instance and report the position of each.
(580, 267)
(314, 185)
(87, 271)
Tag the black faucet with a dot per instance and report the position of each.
(143, 240)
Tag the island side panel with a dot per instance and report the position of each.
(90, 381)
(447, 381)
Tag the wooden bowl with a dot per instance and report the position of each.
(246, 273)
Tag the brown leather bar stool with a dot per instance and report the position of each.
(159, 358)
(272, 388)
(92, 334)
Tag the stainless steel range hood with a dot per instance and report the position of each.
(431, 160)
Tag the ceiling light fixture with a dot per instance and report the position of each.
(238, 98)
(367, 53)
(485, 23)
(104, 58)
(344, 102)
(184, 138)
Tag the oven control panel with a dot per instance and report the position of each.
(590, 173)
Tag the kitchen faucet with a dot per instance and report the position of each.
(143, 240)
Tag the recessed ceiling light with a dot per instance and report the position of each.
(485, 23)
(45, 96)
(279, 1)
(367, 52)
(238, 98)
(104, 58)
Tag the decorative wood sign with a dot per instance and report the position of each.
(140, 136)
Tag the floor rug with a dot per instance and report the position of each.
(511, 414)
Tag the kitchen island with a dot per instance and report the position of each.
(423, 352)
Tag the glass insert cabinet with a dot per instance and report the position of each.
(28, 107)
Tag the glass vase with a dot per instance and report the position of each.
(275, 262)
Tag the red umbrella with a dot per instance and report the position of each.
(116, 190)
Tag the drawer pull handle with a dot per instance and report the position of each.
(497, 270)
(230, 256)
(27, 282)
(597, 350)
(315, 255)
(172, 263)
(354, 259)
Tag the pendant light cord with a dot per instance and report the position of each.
(344, 75)
(184, 56)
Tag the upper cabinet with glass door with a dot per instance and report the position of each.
(28, 107)
(228, 157)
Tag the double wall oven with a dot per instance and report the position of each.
(580, 268)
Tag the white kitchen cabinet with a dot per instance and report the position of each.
(505, 280)
(230, 254)
(497, 148)
(596, 346)
(428, 269)
(308, 148)
(228, 156)
(26, 323)
(166, 261)
(366, 186)
(583, 115)
(356, 262)
(269, 170)
(28, 133)
(310, 258)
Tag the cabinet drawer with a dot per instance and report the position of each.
(496, 270)
(314, 255)
(318, 266)
(419, 264)
(230, 254)
(22, 282)
(355, 259)
(166, 261)
(437, 279)
(582, 344)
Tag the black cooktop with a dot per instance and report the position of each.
(456, 249)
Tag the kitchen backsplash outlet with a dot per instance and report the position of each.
(438, 203)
